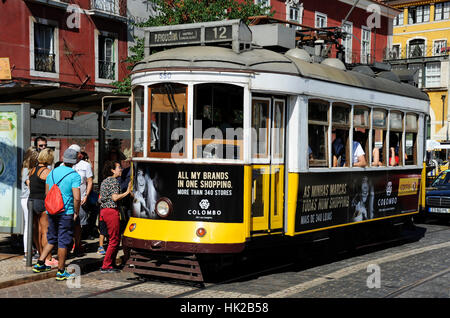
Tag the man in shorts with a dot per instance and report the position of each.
(60, 226)
(84, 169)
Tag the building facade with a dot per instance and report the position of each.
(420, 42)
(62, 42)
(368, 25)
(67, 49)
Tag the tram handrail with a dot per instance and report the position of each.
(108, 112)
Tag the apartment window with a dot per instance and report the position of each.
(263, 3)
(395, 52)
(433, 74)
(106, 58)
(106, 54)
(398, 20)
(294, 12)
(418, 14)
(347, 41)
(416, 48)
(442, 11)
(321, 20)
(47, 113)
(44, 48)
(419, 69)
(365, 45)
(439, 47)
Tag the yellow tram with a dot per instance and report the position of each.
(234, 143)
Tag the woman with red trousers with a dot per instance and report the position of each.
(109, 195)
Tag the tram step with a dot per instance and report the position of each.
(184, 267)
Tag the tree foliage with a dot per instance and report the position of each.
(171, 12)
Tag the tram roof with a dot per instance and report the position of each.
(263, 60)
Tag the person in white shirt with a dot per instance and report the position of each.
(84, 169)
(359, 156)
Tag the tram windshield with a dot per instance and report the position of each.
(218, 121)
(168, 104)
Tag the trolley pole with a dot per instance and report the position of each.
(29, 230)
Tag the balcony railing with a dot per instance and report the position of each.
(414, 51)
(44, 61)
(107, 70)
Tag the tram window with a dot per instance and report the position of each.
(379, 125)
(167, 126)
(138, 123)
(260, 128)
(395, 139)
(361, 145)
(278, 129)
(218, 121)
(411, 139)
(339, 134)
(318, 111)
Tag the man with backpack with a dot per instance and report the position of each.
(60, 225)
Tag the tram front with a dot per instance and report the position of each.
(188, 148)
(191, 142)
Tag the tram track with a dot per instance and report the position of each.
(415, 284)
(284, 266)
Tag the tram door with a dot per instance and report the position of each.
(267, 177)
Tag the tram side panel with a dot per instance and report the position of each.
(337, 199)
(207, 197)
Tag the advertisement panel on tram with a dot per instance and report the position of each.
(344, 198)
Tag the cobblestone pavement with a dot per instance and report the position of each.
(402, 269)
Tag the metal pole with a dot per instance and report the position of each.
(101, 147)
(30, 234)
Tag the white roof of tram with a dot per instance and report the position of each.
(263, 60)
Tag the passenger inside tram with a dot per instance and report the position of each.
(377, 147)
(393, 149)
(338, 138)
(359, 156)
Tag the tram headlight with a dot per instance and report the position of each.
(163, 207)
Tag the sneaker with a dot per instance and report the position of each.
(64, 276)
(35, 257)
(41, 268)
(52, 263)
(109, 270)
(101, 250)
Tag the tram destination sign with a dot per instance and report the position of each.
(218, 33)
(192, 36)
(235, 33)
(173, 37)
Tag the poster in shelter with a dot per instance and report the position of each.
(8, 168)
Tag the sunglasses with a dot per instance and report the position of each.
(42, 145)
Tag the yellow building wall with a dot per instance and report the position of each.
(436, 105)
(430, 31)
